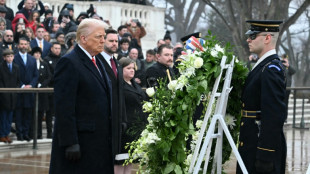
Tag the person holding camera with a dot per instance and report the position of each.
(34, 20)
(66, 24)
(136, 30)
(290, 71)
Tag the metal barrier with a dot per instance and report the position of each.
(302, 121)
(31, 90)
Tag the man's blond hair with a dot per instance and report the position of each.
(87, 26)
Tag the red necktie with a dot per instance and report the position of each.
(113, 67)
(94, 61)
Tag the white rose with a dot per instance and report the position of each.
(147, 107)
(199, 123)
(219, 48)
(189, 72)
(182, 81)
(172, 85)
(198, 62)
(150, 91)
(214, 53)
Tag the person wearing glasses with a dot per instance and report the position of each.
(8, 42)
(262, 144)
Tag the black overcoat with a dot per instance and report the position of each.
(262, 138)
(118, 104)
(83, 116)
(156, 72)
(9, 80)
(44, 80)
(136, 118)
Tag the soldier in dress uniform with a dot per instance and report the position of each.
(162, 69)
(262, 144)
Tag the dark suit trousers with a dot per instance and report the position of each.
(23, 121)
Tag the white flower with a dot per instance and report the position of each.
(172, 85)
(188, 159)
(150, 91)
(199, 123)
(189, 71)
(198, 62)
(219, 48)
(230, 121)
(182, 81)
(214, 53)
(152, 138)
(147, 107)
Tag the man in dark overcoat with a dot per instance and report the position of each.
(262, 144)
(29, 78)
(82, 139)
(162, 69)
(115, 73)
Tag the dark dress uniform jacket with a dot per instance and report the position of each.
(118, 104)
(9, 80)
(262, 138)
(156, 72)
(83, 116)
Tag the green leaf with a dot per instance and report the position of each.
(169, 168)
(179, 110)
(184, 106)
(217, 72)
(178, 169)
(172, 122)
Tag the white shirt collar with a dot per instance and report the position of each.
(89, 56)
(21, 54)
(107, 57)
(267, 54)
(38, 41)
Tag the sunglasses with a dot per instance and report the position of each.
(253, 36)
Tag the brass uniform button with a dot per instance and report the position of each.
(241, 143)
(242, 123)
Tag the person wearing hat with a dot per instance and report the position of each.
(43, 82)
(82, 15)
(10, 13)
(60, 38)
(167, 38)
(65, 21)
(69, 8)
(3, 12)
(262, 144)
